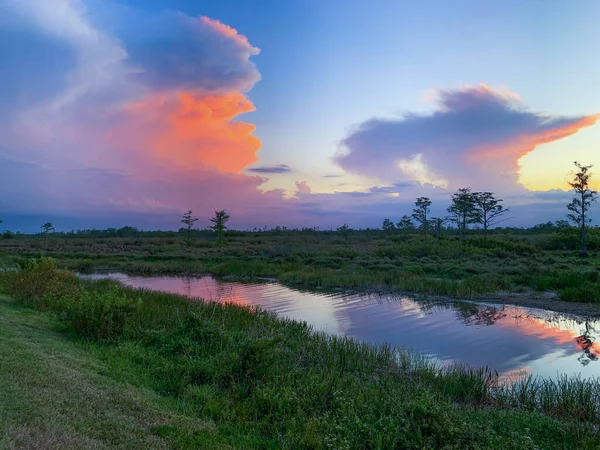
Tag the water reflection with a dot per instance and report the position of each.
(514, 341)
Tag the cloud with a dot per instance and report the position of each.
(189, 132)
(52, 55)
(173, 51)
(303, 188)
(476, 136)
(149, 102)
(278, 169)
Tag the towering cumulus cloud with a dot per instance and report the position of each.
(137, 113)
(477, 134)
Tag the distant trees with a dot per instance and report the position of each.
(405, 223)
(467, 208)
(219, 220)
(388, 225)
(437, 223)
(489, 209)
(580, 205)
(421, 211)
(463, 210)
(188, 220)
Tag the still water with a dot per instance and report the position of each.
(515, 341)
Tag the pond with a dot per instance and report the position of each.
(515, 341)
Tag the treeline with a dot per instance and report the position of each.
(466, 208)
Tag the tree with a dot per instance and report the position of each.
(463, 210)
(388, 225)
(437, 223)
(344, 230)
(420, 212)
(405, 223)
(47, 228)
(580, 205)
(189, 220)
(490, 209)
(219, 220)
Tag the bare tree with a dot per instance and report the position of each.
(188, 220)
(463, 210)
(580, 205)
(420, 212)
(490, 209)
(219, 220)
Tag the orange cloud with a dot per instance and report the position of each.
(540, 329)
(191, 132)
(510, 152)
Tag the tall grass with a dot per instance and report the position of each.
(370, 260)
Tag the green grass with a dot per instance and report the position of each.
(182, 374)
(55, 393)
(371, 260)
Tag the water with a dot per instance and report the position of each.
(515, 341)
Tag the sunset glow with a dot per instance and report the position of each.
(314, 120)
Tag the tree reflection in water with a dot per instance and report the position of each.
(586, 342)
(473, 314)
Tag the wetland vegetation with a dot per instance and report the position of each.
(153, 369)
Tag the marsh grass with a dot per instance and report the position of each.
(267, 382)
(368, 260)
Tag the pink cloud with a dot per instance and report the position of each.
(303, 187)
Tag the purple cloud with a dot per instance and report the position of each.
(278, 169)
(476, 137)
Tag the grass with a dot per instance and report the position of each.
(178, 374)
(369, 259)
(55, 392)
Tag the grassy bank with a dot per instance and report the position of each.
(172, 373)
(366, 260)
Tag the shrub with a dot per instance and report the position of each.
(37, 281)
(97, 315)
(585, 293)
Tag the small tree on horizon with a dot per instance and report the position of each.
(421, 210)
(405, 223)
(388, 225)
(189, 220)
(219, 220)
(580, 205)
(344, 230)
(47, 228)
(490, 209)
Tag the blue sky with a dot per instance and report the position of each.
(331, 79)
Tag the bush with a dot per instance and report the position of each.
(586, 294)
(97, 315)
(37, 281)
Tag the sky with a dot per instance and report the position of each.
(296, 113)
